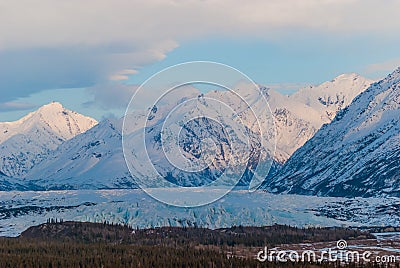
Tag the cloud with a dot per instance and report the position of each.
(122, 75)
(111, 95)
(27, 71)
(50, 23)
(59, 44)
(382, 67)
(15, 106)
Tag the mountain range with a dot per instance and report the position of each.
(54, 148)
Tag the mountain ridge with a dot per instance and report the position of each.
(357, 154)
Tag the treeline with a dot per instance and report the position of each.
(236, 235)
(246, 236)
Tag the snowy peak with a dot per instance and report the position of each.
(52, 106)
(27, 141)
(331, 96)
(64, 123)
(347, 76)
(342, 83)
(300, 115)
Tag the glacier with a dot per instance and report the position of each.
(22, 209)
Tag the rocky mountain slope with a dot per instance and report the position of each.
(300, 115)
(357, 154)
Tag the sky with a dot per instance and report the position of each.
(92, 55)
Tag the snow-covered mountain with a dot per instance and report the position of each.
(224, 141)
(26, 142)
(357, 154)
(94, 159)
(91, 160)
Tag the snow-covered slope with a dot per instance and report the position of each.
(26, 142)
(92, 160)
(331, 96)
(300, 115)
(357, 154)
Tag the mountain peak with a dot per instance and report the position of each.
(394, 76)
(55, 116)
(64, 122)
(52, 107)
(347, 76)
(28, 140)
(53, 104)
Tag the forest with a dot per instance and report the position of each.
(82, 244)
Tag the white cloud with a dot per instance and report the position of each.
(122, 75)
(26, 71)
(382, 67)
(144, 23)
(15, 106)
(111, 95)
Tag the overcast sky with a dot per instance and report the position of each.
(90, 55)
